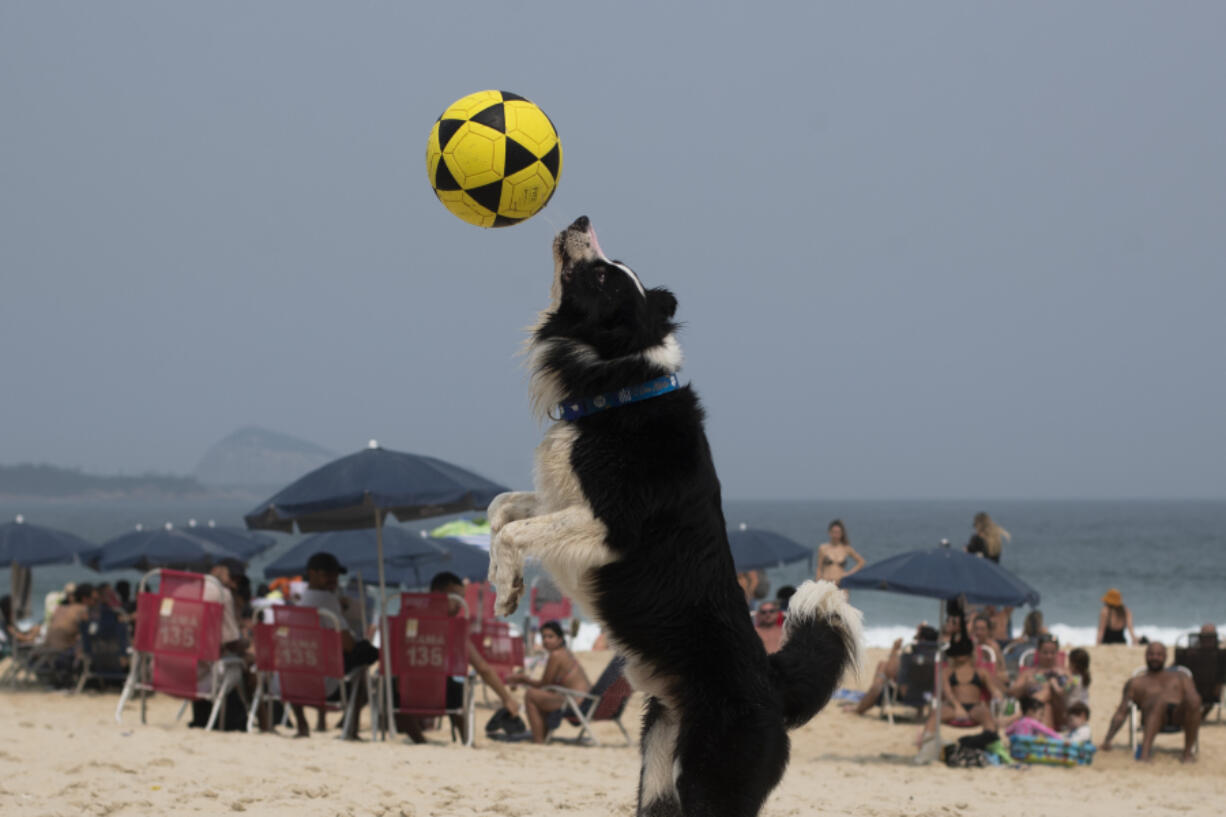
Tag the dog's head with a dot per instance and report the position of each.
(603, 329)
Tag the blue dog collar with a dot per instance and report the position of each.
(574, 409)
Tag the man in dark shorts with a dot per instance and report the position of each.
(1164, 698)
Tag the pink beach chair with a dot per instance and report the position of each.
(297, 658)
(429, 658)
(177, 645)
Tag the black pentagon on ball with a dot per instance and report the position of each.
(446, 130)
(487, 195)
(551, 160)
(505, 221)
(507, 96)
(492, 117)
(517, 157)
(443, 180)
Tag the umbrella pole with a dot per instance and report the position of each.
(385, 640)
(936, 668)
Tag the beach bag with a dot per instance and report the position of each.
(960, 756)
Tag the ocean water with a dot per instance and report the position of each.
(1167, 558)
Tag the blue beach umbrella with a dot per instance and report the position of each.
(23, 546)
(754, 549)
(29, 545)
(167, 546)
(943, 573)
(357, 550)
(247, 544)
(466, 560)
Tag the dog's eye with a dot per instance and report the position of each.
(600, 277)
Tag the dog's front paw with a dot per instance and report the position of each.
(507, 597)
(509, 507)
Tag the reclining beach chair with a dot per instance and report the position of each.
(1136, 718)
(1205, 661)
(104, 649)
(503, 651)
(479, 598)
(177, 646)
(605, 702)
(546, 603)
(914, 685)
(429, 658)
(298, 656)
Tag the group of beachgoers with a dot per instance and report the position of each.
(55, 648)
(1023, 685)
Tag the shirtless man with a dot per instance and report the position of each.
(1163, 698)
(832, 556)
(64, 629)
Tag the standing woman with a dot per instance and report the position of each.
(832, 556)
(1113, 619)
(988, 538)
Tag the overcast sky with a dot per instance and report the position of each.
(920, 249)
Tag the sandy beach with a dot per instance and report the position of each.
(65, 755)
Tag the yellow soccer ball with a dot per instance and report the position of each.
(493, 158)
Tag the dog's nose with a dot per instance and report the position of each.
(581, 224)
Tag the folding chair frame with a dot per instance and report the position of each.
(225, 675)
(467, 707)
(264, 695)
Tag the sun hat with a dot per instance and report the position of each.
(1113, 598)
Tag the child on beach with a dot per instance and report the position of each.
(1078, 721)
(1028, 724)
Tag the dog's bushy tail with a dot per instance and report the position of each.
(823, 635)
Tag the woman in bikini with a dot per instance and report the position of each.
(832, 556)
(967, 690)
(562, 669)
(1114, 619)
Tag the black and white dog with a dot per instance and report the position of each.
(628, 520)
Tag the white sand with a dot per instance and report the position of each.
(64, 755)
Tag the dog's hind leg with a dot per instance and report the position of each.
(729, 764)
(657, 780)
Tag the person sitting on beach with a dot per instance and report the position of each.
(452, 585)
(887, 670)
(323, 575)
(986, 649)
(1164, 698)
(1077, 723)
(987, 540)
(783, 595)
(966, 690)
(1079, 678)
(832, 555)
(562, 669)
(1027, 722)
(1000, 621)
(1113, 619)
(16, 636)
(1045, 682)
(768, 623)
(64, 628)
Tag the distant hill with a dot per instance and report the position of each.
(257, 457)
(52, 481)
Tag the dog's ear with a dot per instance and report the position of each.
(661, 304)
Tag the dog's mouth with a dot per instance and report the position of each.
(575, 244)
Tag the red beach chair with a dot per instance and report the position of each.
(295, 658)
(605, 702)
(429, 654)
(177, 631)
